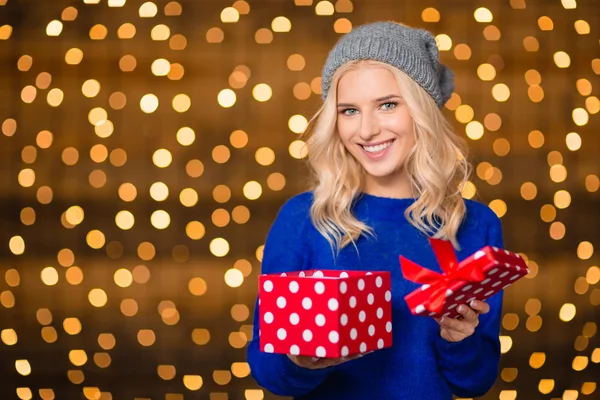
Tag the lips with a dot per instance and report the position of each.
(376, 148)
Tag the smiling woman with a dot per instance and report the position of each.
(387, 170)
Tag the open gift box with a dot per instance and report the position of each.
(477, 277)
(325, 313)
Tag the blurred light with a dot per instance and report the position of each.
(486, 72)
(501, 147)
(482, 14)
(226, 98)
(296, 62)
(562, 199)
(573, 141)
(265, 156)
(499, 207)
(281, 24)
(430, 14)
(230, 15)
(592, 183)
(528, 191)
(149, 103)
(219, 247)
(562, 59)
(324, 8)
(462, 52)
(567, 312)
(585, 250)
(262, 92)
(215, 35)
(148, 10)
(263, 36)
(298, 149)
(162, 158)
(500, 92)
(569, 4)
(545, 23)
(234, 277)
(464, 113)
(474, 130)
(558, 173)
(531, 44)
(492, 33)
(444, 42)
(580, 116)
(252, 190)
(54, 28)
(221, 154)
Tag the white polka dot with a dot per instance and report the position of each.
(319, 287)
(353, 333)
(388, 295)
(369, 273)
(294, 319)
(467, 287)
(361, 284)
(497, 283)
(378, 281)
(449, 292)
(281, 302)
(502, 275)
(320, 320)
(479, 254)
(345, 351)
(268, 317)
(515, 277)
(380, 313)
(491, 292)
(302, 274)
(452, 306)
(318, 274)
(352, 302)
(343, 287)
(334, 337)
(380, 344)
(362, 316)
(344, 274)
(294, 350)
(269, 348)
(268, 286)
(281, 334)
(506, 252)
(425, 286)
(492, 272)
(283, 274)
(332, 304)
(388, 326)
(458, 298)
(471, 299)
(478, 291)
(485, 281)
(370, 298)
(420, 308)
(321, 351)
(344, 320)
(505, 286)
(495, 248)
(294, 287)
(307, 335)
(371, 330)
(306, 303)
(363, 347)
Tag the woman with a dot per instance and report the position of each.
(388, 173)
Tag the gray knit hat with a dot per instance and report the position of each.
(412, 50)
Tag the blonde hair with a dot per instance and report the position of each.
(437, 167)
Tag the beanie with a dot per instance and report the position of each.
(414, 51)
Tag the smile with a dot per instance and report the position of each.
(378, 148)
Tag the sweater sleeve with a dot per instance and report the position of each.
(285, 250)
(470, 366)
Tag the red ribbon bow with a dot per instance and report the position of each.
(440, 283)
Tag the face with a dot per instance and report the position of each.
(374, 123)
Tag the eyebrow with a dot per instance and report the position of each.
(388, 97)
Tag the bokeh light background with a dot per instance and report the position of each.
(147, 146)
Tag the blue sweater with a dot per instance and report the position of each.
(420, 365)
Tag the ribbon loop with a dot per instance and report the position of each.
(440, 283)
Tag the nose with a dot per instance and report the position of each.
(369, 127)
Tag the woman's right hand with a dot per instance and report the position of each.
(319, 363)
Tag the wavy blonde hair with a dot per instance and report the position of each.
(437, 167)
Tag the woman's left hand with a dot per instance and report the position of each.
(455, 330)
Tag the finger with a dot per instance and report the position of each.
(468, 313)
(463, 326)
(481, 307)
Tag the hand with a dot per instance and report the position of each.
(319, 363)
(455, 330)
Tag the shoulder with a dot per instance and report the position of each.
(480, 214)
(297, 205)
(294, 213)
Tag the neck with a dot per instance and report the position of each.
(394, 186)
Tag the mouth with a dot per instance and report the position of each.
(378, 150)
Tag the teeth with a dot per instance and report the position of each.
(378, 148)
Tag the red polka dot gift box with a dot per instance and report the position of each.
(327, 314)
(478, 277)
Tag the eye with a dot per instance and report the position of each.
(389, 105)
(349, 111)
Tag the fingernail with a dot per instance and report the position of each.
(442, 319)
(461, 308)
(472, 304)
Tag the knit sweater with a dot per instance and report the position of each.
(420, 365)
